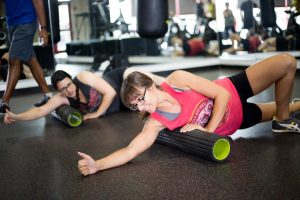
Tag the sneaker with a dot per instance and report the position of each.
(3, 107)
(289, 125)
(44, 101)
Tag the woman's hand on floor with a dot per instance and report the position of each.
(87, 165)
(191, 127)
(90, 116)
(10, 117)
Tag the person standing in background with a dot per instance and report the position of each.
(21, 18)
(200, 17)
(229, 21)
(247, 14)
(210, 10)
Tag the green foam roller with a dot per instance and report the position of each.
(202, 144)
(68, 115)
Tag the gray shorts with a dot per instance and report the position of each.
(21, 41)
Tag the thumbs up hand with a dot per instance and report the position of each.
(87, 165)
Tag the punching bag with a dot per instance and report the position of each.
(268, 16)
(152, 18)
(199, 143)
(68, 115)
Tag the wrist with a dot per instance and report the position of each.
(17, 117)
(100, 113)
(43, 28)
(98, 165)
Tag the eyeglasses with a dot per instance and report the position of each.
(134, 107)
(65, 88)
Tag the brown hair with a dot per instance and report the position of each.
(129, 91)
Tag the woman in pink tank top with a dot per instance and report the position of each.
(192, 102)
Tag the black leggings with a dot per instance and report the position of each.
(252, 114)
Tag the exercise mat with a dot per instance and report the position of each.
(203, 144)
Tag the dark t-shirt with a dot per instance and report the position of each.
(247, 8)
(19, 12)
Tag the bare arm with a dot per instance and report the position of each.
(220, 95)
(36, 112)
(138, 145)
(103, 88)
(40, 11)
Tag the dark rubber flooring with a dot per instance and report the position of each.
(39, 161)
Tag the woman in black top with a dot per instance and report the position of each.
(92, 95)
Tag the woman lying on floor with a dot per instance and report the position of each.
(92, 95)
(192, 102)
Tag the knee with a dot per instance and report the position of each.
(289, 61)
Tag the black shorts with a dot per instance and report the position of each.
(21, 39)
(115, 79)
(251, 112)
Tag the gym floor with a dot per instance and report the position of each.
(39, 160)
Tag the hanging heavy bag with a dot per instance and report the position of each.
(68, 115)
(152, 18)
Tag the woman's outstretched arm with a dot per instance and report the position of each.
(87, 165)
(36, 112)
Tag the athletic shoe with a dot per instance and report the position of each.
(3, 107)
(289, 125)
(44, 101)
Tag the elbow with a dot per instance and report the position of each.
(228, 95)
(39, 113)
(225, 96)
(132, 153)
(112, 94)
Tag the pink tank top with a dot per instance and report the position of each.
(197, 109)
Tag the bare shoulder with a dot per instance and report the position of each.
(178, 78)
(87, 77)
(84, 74)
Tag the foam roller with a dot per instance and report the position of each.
(68, 115)
(203, 144)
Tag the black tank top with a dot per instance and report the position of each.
(94, 98)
